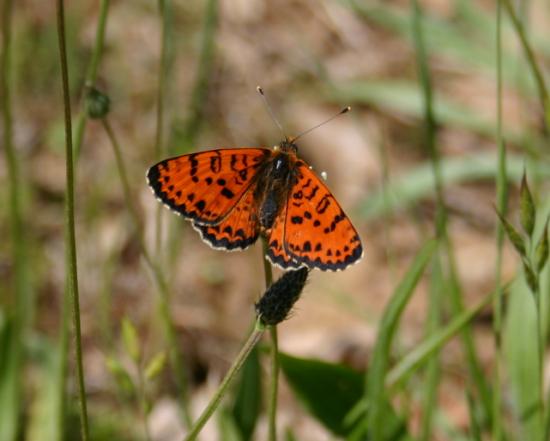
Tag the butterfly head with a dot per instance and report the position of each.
(288, 146)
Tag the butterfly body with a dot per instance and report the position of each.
(232, 196)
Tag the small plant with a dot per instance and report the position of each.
(134, 384)
(533, 253)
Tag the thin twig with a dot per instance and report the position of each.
(501, 197)
(91, 75)
(158, 276)
(532, 60)
(441, 218)
(71, 262)
(19, 293)
(228, 379)
(274, 354)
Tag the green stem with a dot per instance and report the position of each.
(158, 276)
(16, 304)
(274, 353)
(91, 75)
(274, 386)
(540, 345)
(531, 59)
(433, 370)
(198, 95)
(71, 264)
(143, 403)
(441, 218)
(229, 377)
(165, 12)
(501, 196)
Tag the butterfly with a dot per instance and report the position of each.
(234, 195)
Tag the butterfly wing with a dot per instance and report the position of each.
(206, 186)
(276, 251)
(238, 230)
(317, 232)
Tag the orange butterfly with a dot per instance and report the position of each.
(233, 195)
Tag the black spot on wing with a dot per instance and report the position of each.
(227, 193)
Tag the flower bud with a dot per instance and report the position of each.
(527, 210)
(97, 103)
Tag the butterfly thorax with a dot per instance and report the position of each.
(287, 146)
(274, 182)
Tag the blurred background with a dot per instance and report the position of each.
(312, 59)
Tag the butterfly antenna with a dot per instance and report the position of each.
(341, 112)
(270, 110)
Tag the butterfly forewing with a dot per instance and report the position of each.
(317, 233)
(206, 186)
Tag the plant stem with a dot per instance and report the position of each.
(71, 263)
(274, 354)
(158, 276)
(165, 13)
(501, 196)
(228, 379)
(441, 218)
(16, 305)
(91, 75)
(198, 95)
(540, 333)
(531, 59)
(433, 370)
(143, 403)
(274, 386)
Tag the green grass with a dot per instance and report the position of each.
(47, 366)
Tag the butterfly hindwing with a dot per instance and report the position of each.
(206, 186)
(317, 233)
(276, 251)
(238, 230)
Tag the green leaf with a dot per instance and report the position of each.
(541, 252)
(530, 277)
(376, 395)
(9, 380)
(289, 435)
(330, 391)
(130, 338)
(121, 376)
(527, 209)
(327, 390)
(521, 359)
(248, 398)
(155, 365)
(50, 409)
(227, 426)
(513, 235)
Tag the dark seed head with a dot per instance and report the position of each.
(279, 298)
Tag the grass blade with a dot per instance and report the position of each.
(422, 352)
(377, 371)
(418, 183)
